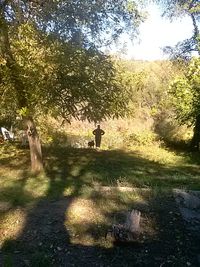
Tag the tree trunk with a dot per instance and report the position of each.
(196, 135)
(35, 145)
(20, 90)
(196, 32)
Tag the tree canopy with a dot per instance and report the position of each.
(50, 60)
(185, 91)
(176, 9)
(76, 21)
(54, 47)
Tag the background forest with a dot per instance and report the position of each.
(53, 72)
(152, 115)
(150, 119)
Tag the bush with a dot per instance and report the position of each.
(141, 139)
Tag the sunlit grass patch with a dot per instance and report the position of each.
(75, 171)
(88, 219)
(22, 191)
(12, 224)
(160, 155)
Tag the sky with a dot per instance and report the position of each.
(155, 33)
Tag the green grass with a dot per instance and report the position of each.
(71, 171)
(67, 201)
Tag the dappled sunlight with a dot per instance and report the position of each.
(84, 211)
(77, 171)
(12, 224)
(88, 219)
(84, 220)
(92, 153)
(37, 186)
(13, 158)
(68, 216)
(22, 189)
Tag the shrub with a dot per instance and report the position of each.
(141, 139)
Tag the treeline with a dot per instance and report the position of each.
(69, 83)
(151, 116)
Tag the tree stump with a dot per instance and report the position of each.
(133, 221)
(128, 231)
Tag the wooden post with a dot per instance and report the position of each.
(133, 221)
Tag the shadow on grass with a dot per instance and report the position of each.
(89, 167)
(46, 238)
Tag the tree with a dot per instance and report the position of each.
(55, 80)
(184, 50)
(179, 8)
(185, 92)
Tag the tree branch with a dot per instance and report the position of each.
(3, 3)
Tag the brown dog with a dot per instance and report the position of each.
(91, 144)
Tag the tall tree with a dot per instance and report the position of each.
(185, 91)
(184, 50)
(176, 9)
(85, 25)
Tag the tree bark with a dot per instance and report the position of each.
(20, 90)
(35, 145)
(196, 33)
(196, 135)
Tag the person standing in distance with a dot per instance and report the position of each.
(98, 132)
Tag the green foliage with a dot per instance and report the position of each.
(144, 138)
(7, 94)
(176, 9)
(53, 64)
(185, 91)
(68, 81)
(23, 112)
(80, 21)
(149, 82)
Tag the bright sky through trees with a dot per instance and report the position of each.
(155, 33)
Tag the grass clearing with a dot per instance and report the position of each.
(63, 212)
(75, 171)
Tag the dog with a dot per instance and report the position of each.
(91, 144)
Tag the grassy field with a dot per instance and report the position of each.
(49, 219)
(73, 171)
